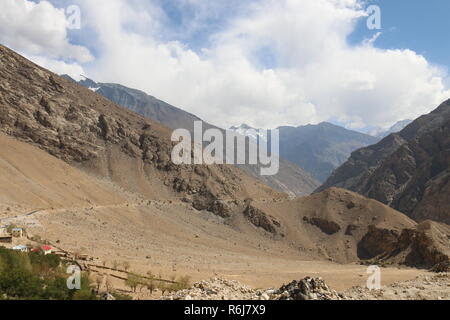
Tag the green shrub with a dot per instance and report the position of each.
(35, 276)
(120, 296)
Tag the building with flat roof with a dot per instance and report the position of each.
(17, 232)
(21, 248)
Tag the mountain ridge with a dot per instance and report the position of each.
(408, 170)
(319, 149)
(290, 178)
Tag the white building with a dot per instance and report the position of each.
(21, 248)
(17, 232)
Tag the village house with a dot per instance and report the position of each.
(46, 249)
(17, 232)
(21, 248)
(43, 249)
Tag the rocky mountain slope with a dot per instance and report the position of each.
(409, 170)
(143, 104)
(88, 131)
(290, 178)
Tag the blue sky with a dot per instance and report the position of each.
(263, 62)
(422, 26)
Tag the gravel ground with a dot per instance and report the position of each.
(435, 287)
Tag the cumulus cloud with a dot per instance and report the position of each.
(264, 62)
(316, 75)
(59, 67)
(39, 31)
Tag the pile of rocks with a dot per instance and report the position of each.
(220, 289)
(216, 289)
(425, 287)
(308, 289)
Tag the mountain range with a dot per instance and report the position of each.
(290, 178)
(316, 149)
(319, 149)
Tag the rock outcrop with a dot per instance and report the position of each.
(307, 289)
(328, 227)
(425, 246)
(377, 241)
(261, 220)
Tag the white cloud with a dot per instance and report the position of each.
(318, 75)
(315, 75)
(59, 67)
(38, 31)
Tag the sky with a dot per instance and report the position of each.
(266, 63)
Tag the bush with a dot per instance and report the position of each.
(120, 296)
(133, 281)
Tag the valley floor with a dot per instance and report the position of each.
(169, 238)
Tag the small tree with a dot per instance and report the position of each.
(108, 284)
(184, 282)
(133, 281)
(10, 227)
(98, 282)
(163, 287)
(151, 286)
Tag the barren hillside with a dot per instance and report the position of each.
(408, 171)
(90, 132)
(290, 178)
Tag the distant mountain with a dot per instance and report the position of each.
(409, 170)
(248, 131)
(399, 126)
(319, 149)
(290, 179)
(142, 103)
